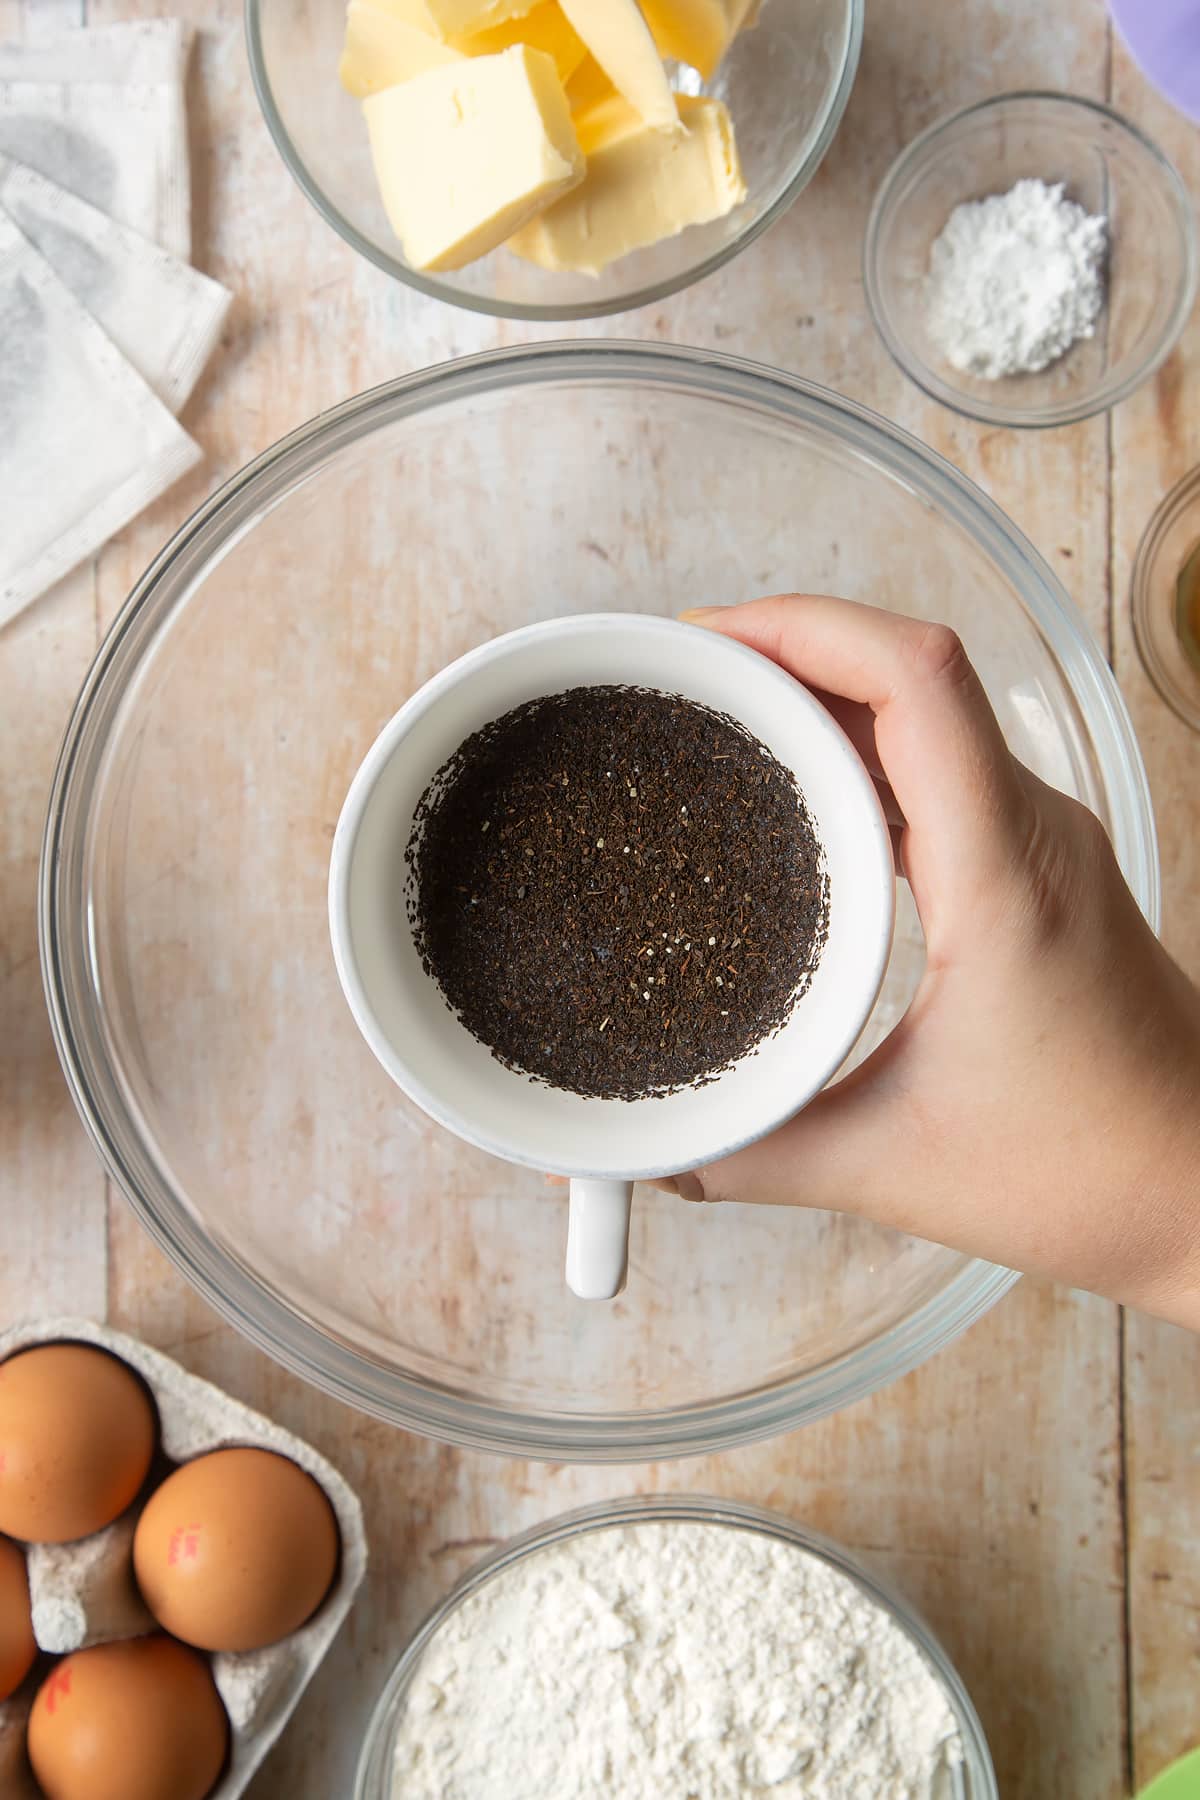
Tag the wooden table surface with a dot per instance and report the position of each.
(1036, 1488)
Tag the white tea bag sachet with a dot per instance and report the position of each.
(84, 444)
(145, 52)
(162, 315)
(123, 148)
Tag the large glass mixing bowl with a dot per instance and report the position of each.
(188, 968)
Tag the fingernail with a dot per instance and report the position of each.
(695, 614)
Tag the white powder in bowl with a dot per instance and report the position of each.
(1015, 280)
(673, 1661)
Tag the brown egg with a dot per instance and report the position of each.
(235, 1550)
(17, 1646)
(77, 1433)
(140, 1720)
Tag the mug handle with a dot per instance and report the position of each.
(598, 1238)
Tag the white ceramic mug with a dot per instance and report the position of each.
(604, 1145)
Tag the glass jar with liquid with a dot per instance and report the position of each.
(1166, 599)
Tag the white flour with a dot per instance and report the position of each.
(1015, 280)
(673, 1661)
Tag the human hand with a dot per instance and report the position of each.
(1037, 1105)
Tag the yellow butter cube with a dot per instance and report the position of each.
(619, 38)
(587, 87)
(605, 122)
(697, 32)
(450, 19)
(381, 50)
(545, 28)
(466, 154)
(642, 185)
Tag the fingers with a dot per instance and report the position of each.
(848, 1151)
(936, 736)
(896, 822)
(834, 1155)
(858, 723)
(683, 1187)
(889, 803)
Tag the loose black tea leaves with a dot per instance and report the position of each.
(619, 891)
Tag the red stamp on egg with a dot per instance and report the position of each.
(58, 1687)
(184, 1545)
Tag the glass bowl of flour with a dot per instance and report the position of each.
(662, 1649)
(1031, 260)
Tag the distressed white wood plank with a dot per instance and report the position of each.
(1156, 439)
(51, 1186)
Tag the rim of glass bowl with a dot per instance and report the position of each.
(65, 928)
(1148, 626)
(910, 165)
(373, 1777)
(515, 309)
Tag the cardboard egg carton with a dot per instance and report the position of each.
(85, 1593)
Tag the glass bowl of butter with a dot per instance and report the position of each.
(560, 160)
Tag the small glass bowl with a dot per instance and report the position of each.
(1109, 167)
(1171, 540)
(973, 1779)
(786, 83)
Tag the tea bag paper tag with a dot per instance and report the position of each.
(162, 315)
(84, 443)
(120, 146)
